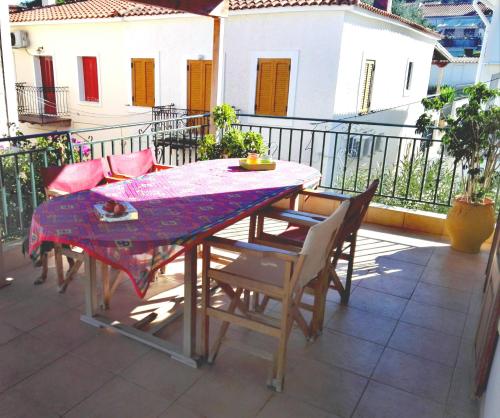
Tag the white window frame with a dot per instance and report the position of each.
(408, 84)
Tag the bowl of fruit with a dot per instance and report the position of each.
(112, 210)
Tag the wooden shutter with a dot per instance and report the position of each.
(90, 82)
(143, 82)
(366, 95)
(273, 81)
(199, 85)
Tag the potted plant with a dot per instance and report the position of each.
(472, 138)
(229, 142)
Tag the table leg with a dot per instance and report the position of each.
(190, 295)
(91, 302)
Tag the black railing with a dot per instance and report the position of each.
(22, 157)
(414, 171)
(47, 102)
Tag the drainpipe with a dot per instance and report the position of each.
(486, 23)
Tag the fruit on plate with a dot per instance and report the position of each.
(109, 206)
(119, 209)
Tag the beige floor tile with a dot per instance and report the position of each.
(283, 406)
(415, 375)
(120, 398)
(23, 356)
(111, 351)
(444, 297)
(470, 326)
(460, 400)
(466, 354)
(357, 323)
(432, 317)
(160, 374)
(177, 410)
(63, 384)
(452, 279)
(66, 331)
(389, 265)
(426, 343)
(224, 395)
(378, 303)
(350, 353)
(391, 284)
(14, 405)
(381, 401)
(8, 332)
(326, 387)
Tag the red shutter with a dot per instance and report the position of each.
(91, 84)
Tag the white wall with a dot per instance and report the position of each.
(8, 102)
(455, 74)
(171, 41)
(490, 402)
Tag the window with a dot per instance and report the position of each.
(143, 82)
(89, 84)
(469, 32)
(273, 80)
(366, 92)
(199, 85)
(409, 75)
(449, 32)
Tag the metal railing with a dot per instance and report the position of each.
(21, 158)
(414, 171)
(49, 102)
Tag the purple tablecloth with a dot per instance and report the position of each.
(177, 209)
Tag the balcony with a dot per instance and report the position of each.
(404, 343)
(43, 105)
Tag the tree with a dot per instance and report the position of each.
(410, 10)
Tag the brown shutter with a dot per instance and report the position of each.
(273, 80)
(366, 95)
(143, 82)
(199, 85)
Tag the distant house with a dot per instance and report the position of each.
(97, 62)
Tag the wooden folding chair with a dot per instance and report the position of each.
(62, 180)
(299, 222)
(273, 272)
(134, 164)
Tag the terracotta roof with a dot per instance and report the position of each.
(98, 9)
(89, 9)
(452, 9)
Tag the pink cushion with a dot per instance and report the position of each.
(73, 178)
(134, 165)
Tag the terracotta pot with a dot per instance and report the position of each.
(470, 224)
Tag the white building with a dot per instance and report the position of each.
(337, 60)
(8, 105)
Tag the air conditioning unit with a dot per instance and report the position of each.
(19, 39)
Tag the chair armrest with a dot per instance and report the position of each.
(251, 249)
(113, 179)
(158, 167)
(118, 176)
(54, 193)
(325, 195)
(297, 218)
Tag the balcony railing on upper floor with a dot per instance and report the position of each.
(414, 171)
(43, 105)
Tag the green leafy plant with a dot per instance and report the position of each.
(471, 138)
(229, 141)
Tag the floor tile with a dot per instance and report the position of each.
(64, 384)
(470, 327)
(120, 398)
(326, 387)
(160, 374)
(8, 332)
(177, 410)
(432, 317)
(225, 396)
(23, 356)
(350, 353)
(111, 351)
(389, 265)
(426, 343)
(460, 400)
(357, 323)
(381, 401)
(466, 354)
(415, 375)
(444, 297)
(450, 279)
(283, 406)
(378, 303)
(390, 284)
(13, 404)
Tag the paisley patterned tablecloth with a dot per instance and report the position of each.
(177, 209)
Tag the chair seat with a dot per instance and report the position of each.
(295, 233)
(267, 270)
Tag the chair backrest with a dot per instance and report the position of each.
(72, 178)
(357, 211)
(318, 245)
(134, 164)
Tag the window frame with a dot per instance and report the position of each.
(361, 110)
(81, 81)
